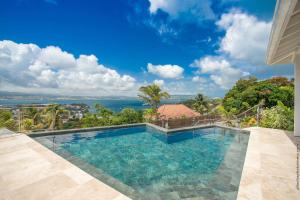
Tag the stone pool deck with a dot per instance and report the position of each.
(270, 168)
(29, 170)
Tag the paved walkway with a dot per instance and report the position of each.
(270, 168)
(28, 170)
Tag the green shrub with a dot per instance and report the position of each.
(279, 117)
(248, 122)
(10, 124)
(148, 115)
(28, 124)
(5, 115)
(72, 123)
(89, 120)
(129, 115)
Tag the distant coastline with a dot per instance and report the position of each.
(115, 103)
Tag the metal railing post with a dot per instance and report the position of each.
(53, 143)
(19, 120)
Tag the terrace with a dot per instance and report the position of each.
(269, 170)
(29, 170)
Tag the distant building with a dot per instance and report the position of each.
(76, 111)
(78, 115)
(176, 111)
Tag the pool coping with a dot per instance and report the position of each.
(169, 131)
(67, 131)
(271, 166)
(161, 129)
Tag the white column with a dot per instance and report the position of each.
(297, 96)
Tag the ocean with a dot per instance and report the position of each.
(115, 105)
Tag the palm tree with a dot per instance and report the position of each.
(37, 117)
(29, 112)
(152, 95)
(54, 111)
(200, 104)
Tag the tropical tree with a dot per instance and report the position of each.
(129, 116)
(103, 111)
(89, 120)
(32, 115)
(200, 104)
(249, 92)
(54, 112)
(29, 112)
(152, 95)
(104, 115)
(38, 118)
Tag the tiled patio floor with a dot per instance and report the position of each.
(28, 170)
(270, 168)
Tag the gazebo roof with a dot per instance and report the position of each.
(285, 35)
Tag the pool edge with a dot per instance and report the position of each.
(163, 130)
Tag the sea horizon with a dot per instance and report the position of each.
(116, 104)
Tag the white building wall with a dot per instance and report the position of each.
(297, 96)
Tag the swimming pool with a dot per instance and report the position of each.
(144, 163)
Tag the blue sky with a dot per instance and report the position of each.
(106, 47)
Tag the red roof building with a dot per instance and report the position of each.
(175, 111)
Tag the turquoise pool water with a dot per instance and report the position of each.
(143, 163)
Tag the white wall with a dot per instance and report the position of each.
(297, 96)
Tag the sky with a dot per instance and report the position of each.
(111, 48)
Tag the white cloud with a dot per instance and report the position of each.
(246, 37)
(189, 10)
(163, 28)
(244, 43)
(210, 64)
(198, 79)
(54, 56)
(42, 69)
(188, 87)
(160, 83)
(220, 70)
(166, 71)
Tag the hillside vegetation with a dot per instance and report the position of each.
(249, 92)
(276, 95)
